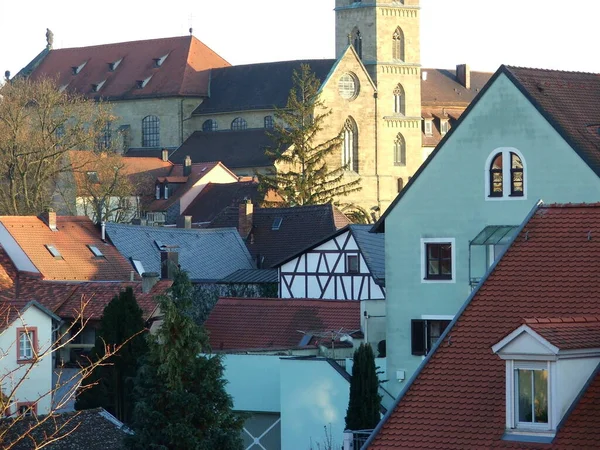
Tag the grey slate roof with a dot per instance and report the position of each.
(371, 246)
(252, 276)
(206, 254)
(256, 86)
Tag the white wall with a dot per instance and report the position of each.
(217, 175)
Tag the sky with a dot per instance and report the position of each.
(550, 34)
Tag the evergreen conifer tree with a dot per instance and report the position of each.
(302, 176)
(365, 402)
(111, 385)
(181, 402)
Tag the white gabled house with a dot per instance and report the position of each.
(348, 265)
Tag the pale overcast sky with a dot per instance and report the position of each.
(553, 34)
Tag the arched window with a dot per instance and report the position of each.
(357, 41)
(398, 45)
(210, 125)
(350, 147)
(399, 151)
(505, 174)
(400, 184)
(269, 122)
(399, 100)
(150, 131)
(238, 124)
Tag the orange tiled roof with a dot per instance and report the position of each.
(457, 401)
(74, 235)
(184, 72)
(568, 333)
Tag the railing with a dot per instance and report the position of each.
(354, 440)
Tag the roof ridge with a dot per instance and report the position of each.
(571, 205)
(538, 69)
(288, 301)
(114, 44)
(561, 320)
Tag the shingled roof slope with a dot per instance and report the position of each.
(372, 248)
(568, 333)
(443, 88)
(206, 255)
(300, 227)
(247, 323)
(548, 272)
(184, 71)
(236, 149)
(90, 429)
(256, 86)
(77, 262)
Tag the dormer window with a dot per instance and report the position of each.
(428, 127)
(531, 394)
(113, 65)
(98, 86)
(77, 69)
(141, 84)
(157, 192)
(159, 61)
(444, 126)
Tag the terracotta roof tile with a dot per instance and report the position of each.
(458, 399)
(569, 333)
(184, 72)
(74, 235)
(244, 324)
(443, 88)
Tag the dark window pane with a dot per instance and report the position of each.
(525, 395)
(540, 388)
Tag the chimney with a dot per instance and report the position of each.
(424, 75)
(187, 166)
(165, 155)
(49, 217)
(246, 210)
(149, 279)
(103, 230)
(184, 222)
(169, 263)
(463, 74)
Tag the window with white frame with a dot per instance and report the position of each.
(505, 175)
(444, 126)
(352, 263)
(531, 394)
(438, 260)
(239, 124)
(428, 127)
(26, 343)
(425, 334)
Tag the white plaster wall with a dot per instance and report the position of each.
(217, 175)
(572, 374)
(37, 385)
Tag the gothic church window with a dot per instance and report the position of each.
(150, 131)
(238, 124)
(348, 86)
(399, 100)
(350, 147)
(399, 151)
(357, 42)
(210, 125)
(398, 45)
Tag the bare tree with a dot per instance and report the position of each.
(39, 124)
(43, 430)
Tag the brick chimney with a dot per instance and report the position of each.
(463, 74)
(49, 217)
(187, 166)
(169, 263)
(246, 210)
(165, 154)
(149, 279)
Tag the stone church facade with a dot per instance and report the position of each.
(178, 94)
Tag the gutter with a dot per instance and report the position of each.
(442, 338)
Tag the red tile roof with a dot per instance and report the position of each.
(184, 72)
(74, 235)
(457, 401)
(442, 88)
(244, 324)
(568, 333)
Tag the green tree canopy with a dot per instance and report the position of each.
(303, 176)
(181, 402)
(365, 402)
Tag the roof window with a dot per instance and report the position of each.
(77, 69)
(159, 61)
(96, 251)
(277, 223)
(137, 264)
(113, 65)
(97, 87)
(142, 83)
(92, 177)
(53, 251)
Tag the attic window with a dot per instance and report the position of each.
(92, 177)
(96, 251)
(113, 65)
(53, 251)
(159, 61)
(428, 127)
(277, 223)
(142, 83)
(97, 87)
(160, 245)
(77, 69)
(139, 267)
(444, 126)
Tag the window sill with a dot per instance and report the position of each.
(25, 361)
(437, 280)
(540, 437)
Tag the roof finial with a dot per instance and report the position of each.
(349, 38)
(49, 39)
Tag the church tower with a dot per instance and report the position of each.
(386, 36)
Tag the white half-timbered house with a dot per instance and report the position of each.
(348, 265)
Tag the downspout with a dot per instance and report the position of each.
(376, 97)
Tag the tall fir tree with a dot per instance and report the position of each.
(181, 402)
(302, 176)
(365, 402)
(111, 385)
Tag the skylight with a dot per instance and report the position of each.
(53, 251)
(96, 251)
(139, 267)
(277, 223)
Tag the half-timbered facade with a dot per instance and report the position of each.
(349, 265)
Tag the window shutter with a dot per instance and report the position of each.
(418, 337)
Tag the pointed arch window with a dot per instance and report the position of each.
(239, 124)
(399, 100)
(398, 45)
(210, 125)
(357, 42)
(505, 175)
(400, 151)
(150, 131)
(350, 145)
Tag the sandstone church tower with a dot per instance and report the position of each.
(385, 34)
